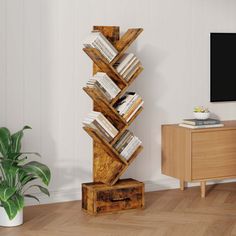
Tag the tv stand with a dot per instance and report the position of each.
(199, 155)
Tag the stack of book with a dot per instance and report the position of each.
(97, 40)
(127, 65)
(102, 82)
(127, 144)
(128, 105)
(97, 121)
(194, 123)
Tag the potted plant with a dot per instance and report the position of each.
(16, 176)
(201, 113)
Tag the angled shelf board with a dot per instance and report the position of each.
(108, 164)
(126, 40)
(105, 66)
(109, 148)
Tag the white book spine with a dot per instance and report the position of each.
(108, 44)
(108, 125)
(106, 51)
(109, 52)
(131, 147)
(95, 45)
(132, 150)
(108, 81)
(129, 76)
(128, 65)
(132, 67)
(124, 61)
(129, 104)
(104, 126)
(111, 84)
(122, 106)
(132, 114)
(106, 85)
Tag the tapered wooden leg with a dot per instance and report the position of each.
(203, 189)
(182, 184)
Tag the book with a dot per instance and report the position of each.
(136, 103)
(97, 40)
(123, 101)
(125, 142)
(201, 122)
(106, 124)
(120, 141)
(108, 83)
(96, 126)
(104, 84)
(134, 112)
(123, 61)
(131, 147)
(201, 126)
(99, 122)
(97, 86)
(130, 75)
(131, 67)
(128, 65)
(129, 104)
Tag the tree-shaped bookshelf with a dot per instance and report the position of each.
(108, 164)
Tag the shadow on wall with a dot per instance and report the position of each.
(151, 86)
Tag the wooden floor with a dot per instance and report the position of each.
(171, 212)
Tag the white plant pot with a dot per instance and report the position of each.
(201, 115)
(5, 221)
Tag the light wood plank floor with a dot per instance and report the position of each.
(171, 212)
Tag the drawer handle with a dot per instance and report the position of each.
(120, 199)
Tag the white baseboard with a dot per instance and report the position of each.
(75, 194)
(55, 196)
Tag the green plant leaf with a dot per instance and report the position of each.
(6, 192)
(14, 156)
(10, 208)
(42, 189)
(5, 141)
(19, 200)
(11, 173)
(31, 196)
(26, 178)
(16, 140)
(38, 170)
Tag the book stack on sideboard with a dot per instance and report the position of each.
(114, 109)
(196, 124)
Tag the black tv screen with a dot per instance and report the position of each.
(223, 67)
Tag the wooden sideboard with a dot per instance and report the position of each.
(192, 155)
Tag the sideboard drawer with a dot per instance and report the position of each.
(213, 154)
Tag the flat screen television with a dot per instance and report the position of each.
(223, 67)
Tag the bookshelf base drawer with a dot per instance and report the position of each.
(98, 198)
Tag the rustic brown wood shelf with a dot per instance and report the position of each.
(108, 164)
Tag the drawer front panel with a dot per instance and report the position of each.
(119, 199)
(213, 154)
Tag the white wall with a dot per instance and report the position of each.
(43, 70)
